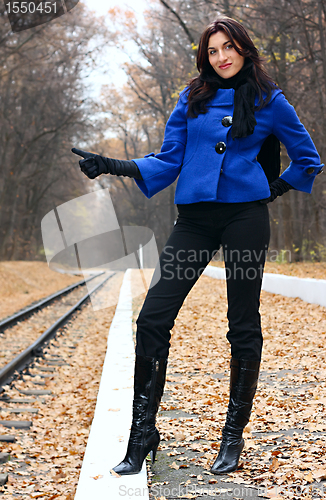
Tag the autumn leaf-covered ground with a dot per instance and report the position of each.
(284, 456)
(22, 283)
(45, 461)
(285, 440)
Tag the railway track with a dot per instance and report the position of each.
(25, 339)
(28, 311)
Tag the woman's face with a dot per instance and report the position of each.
(222, 55)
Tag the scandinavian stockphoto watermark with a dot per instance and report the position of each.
(245, 264)
(24, 15)
(159, 490)
(83, 236)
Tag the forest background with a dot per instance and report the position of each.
(45, 109)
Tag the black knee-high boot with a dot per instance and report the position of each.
(148, 390)
(243, 384)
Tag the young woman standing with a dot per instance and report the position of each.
(227, 116)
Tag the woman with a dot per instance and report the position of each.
(228, 115)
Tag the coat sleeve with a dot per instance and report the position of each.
(160, 170)
(305, 161)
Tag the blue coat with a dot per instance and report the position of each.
(230, 172)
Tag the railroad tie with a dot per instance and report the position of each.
(17, 424)
(3, 479)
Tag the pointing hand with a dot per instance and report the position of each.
(92, 165)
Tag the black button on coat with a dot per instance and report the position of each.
(220, 147)
(227, 121)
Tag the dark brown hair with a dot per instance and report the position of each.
(202, 90)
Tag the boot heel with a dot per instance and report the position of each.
(153, 453)
(144, 438)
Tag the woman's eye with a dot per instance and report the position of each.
(229, 46)
(212, 52)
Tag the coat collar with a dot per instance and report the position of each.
(223, 97)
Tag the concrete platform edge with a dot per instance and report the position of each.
(108, 438)
(308, 289)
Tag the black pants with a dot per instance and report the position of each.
(243, 231)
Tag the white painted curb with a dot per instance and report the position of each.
(308, 289)
(215, 272)
(108, 438)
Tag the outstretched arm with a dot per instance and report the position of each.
(154, 172)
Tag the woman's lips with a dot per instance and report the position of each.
(224, 66)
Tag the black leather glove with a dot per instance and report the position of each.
(94, 165)
(277, 187)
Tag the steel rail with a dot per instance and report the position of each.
(34, 350)
(12, 320)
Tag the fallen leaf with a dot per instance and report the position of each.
(113, 473)
(97, 477)
(274, 465)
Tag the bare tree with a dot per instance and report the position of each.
(43, 109)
